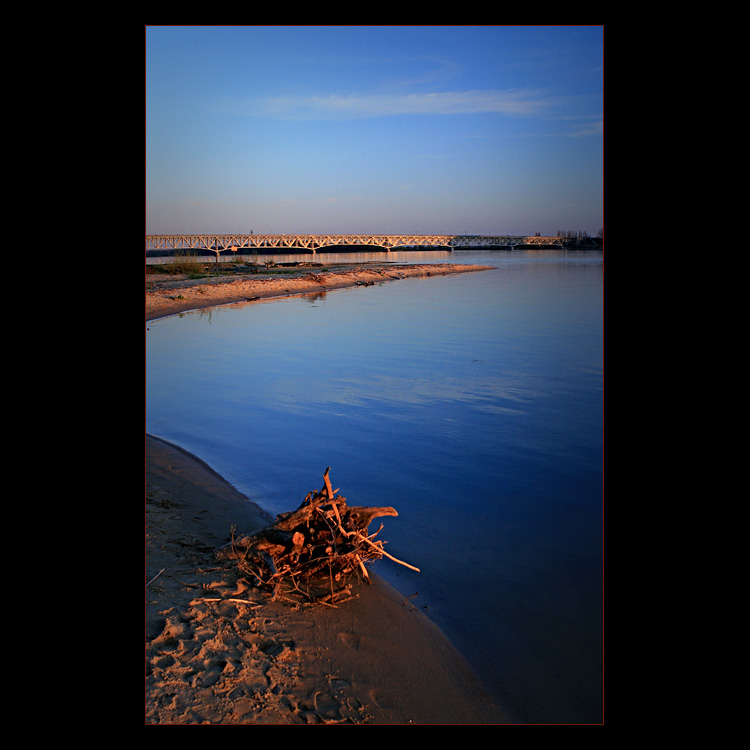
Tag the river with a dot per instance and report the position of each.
(472, 403)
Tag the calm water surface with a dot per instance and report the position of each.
(472, 403)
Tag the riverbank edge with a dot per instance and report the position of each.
(375, 659)
(187, 295)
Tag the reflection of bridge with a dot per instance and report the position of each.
(312, 242)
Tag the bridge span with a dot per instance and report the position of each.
(217, 243)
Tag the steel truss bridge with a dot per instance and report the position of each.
(217, 243)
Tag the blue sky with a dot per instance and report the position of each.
(380, 129)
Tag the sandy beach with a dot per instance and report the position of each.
(167, 294)
(219, 651)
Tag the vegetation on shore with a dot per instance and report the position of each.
(184, 265)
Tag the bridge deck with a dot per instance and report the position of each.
(312, 242)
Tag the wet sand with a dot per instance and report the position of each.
(219, 651)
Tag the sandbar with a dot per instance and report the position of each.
(168, 295)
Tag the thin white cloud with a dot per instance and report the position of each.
(354, 106)
(596, 128)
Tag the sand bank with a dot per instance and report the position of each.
(167, 296)
(221, 652)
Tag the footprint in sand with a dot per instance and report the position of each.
(213, 664)
(338, 705)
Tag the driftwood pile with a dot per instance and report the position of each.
(312, 553)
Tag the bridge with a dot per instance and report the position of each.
(270, 243)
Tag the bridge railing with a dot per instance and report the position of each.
(219, 242)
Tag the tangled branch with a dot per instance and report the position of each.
(313, 552)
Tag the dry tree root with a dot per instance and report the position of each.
(311, 553)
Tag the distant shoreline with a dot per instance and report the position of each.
(168, 294)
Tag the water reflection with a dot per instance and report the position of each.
(403, 256)
(472, 402)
